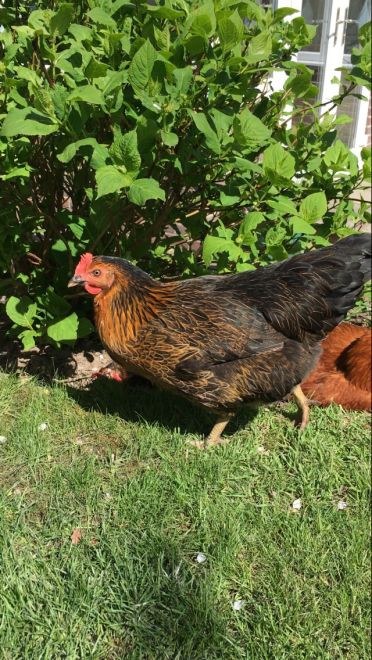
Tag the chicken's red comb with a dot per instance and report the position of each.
(83, 264)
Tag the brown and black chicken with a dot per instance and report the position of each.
(224, 341)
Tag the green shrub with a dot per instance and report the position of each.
(153, 133)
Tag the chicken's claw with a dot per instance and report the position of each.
(199, 444)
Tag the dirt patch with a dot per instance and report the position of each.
(77, 365)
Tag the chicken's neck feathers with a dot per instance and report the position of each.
(128, 306)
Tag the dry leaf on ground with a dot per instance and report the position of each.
(76, 536)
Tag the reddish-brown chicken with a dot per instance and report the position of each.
(343, 373)
(224, 341)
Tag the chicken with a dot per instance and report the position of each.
(223, 341)
(343, 373)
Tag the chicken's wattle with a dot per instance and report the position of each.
(92, 289)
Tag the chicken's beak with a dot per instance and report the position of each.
(75, 280)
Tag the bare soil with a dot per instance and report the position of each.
(76, 365)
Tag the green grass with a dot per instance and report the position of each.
(115, 463)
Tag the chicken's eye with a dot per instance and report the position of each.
(96, 273)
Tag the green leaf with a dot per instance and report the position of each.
(228, 200)
(109, 180)
(14, 173)
(141, 67)
(98, 15)
(81, 32)
(340, 120)
(124, 152)
(337, 156)
(28, 74)
(313, 207)
(278, 165)
(28, 339)
(21, 311)
(84, 328)
(228, 34)
(299, 226)
(283, 205)
(96, 69)
(64, 330)
(113, 80)
(278, 252)
(275, 236)
(202, 124)
(365, 60)
(87, 93)
(144, 189)
(43, 101)
(242, 268)
(206, 10)
(366, 153)
(55, 304)
(24, 30)
(242, 164)
(165, 12)
(249, 130)
(169, 139)
(367, 168)
(62, 20)
(147, 133)
(27, 121)
(182, 79)
(281, 13)
(216, 244)
(195, 45)
(69, 152)
(251, 221)
(260, 46)
(59, 96)
(300, 84)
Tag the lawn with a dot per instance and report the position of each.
(114, 463)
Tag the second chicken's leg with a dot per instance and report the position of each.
(214, 438)
(303, 416)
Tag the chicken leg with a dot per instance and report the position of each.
(303, 416)
(214, 438)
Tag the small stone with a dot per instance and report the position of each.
(101, 357)
(238, 604)
(200, 558)
(297, 504)
(42, 427)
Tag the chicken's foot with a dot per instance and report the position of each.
(214, 436)
(303, 417)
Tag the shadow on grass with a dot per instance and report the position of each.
(144, 402)
(165, 607)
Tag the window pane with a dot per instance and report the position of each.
(360, 11)
(312, 11)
